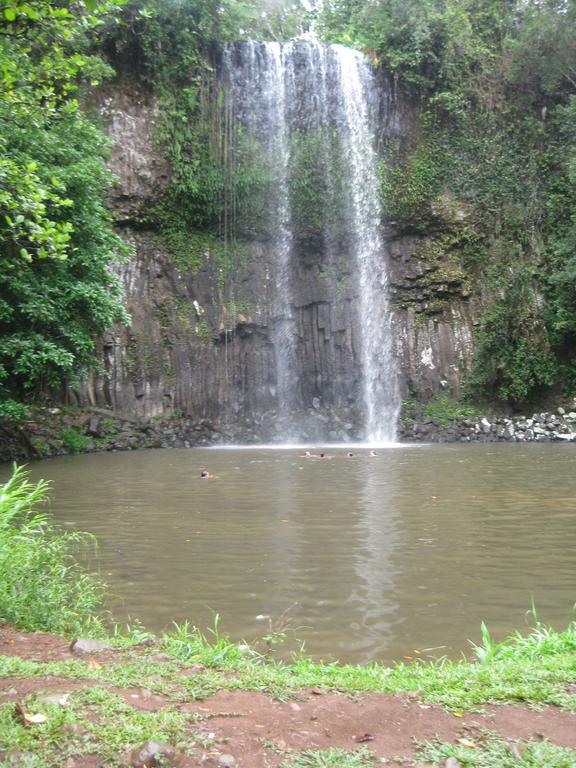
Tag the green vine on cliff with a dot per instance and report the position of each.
(317, 183)
(410, 179)
(514, 358)
(493, 85)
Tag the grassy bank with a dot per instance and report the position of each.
(43, 588)
(538, 669)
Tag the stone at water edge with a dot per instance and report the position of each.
(153, 754)
(84, 645)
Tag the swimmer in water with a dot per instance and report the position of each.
(349, 455)
(306, 455)
(205, 475)
(372, 454)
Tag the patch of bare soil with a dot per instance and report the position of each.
(258, 732)
(388, 725)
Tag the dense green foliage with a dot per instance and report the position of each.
(56, 288)
(495, 87)
(221, 189)
(41, 585)
(442, 408)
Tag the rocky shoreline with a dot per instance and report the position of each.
(62, 431)
(548, 426)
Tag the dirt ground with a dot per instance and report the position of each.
(258, 732)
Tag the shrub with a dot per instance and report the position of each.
(444, 409)
(73, 440)
(42, 586)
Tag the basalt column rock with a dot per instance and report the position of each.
(283, 336)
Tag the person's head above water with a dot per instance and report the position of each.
(204, 473)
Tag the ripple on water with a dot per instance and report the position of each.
(369, 556)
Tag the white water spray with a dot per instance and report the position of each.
(277, 91)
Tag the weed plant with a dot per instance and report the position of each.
(97, 721)
(189, 643)
(331, 758)
(73, 440)
(42, 587)
(492, 751)
(533, 668)
(541, 641)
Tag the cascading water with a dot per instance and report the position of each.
(380, 383)
(258, 82)
(309, 109)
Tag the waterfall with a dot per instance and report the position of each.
(380, 383)
(259, 89)
(309, 109)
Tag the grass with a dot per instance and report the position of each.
(534, 668)
(540, 641)
(74, 440)
(95, 721)
(189, 643)
(444, 409)
(518, 673)
(492, 751)
(42, 587)
(330, 758)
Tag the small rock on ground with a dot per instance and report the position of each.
(153, 754)
(226, 761)
(84, 645)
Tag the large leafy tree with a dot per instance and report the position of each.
(57, 289)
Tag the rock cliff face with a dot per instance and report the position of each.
(192, 350)
(435, 314)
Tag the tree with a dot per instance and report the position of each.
(57, 290)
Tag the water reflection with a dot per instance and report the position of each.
(409, 550)
(374, 596)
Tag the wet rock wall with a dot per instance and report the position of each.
(199, 349)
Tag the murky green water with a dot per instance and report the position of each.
(371, 558)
